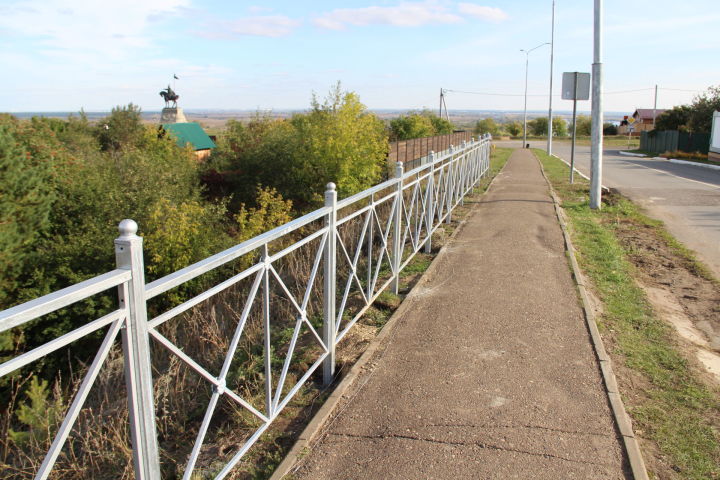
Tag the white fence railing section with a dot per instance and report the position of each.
(355, 248)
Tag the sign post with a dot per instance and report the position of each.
(575, 86)
(631, 128)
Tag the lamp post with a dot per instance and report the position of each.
(552, 51)
(596, 152)
(527, 59)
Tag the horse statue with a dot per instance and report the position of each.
(169, 95)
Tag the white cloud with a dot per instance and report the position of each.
(405, 14)
(258, 26)
(99, 28)
(492, 14)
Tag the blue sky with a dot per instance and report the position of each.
(61, 55)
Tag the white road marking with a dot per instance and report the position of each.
(672, 175)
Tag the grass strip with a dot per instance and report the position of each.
(673, 408)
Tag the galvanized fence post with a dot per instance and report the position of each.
(329, 279)
(397, 232)
(430, 202)
(136, 347)
(477, 158)
(487, 153)
(480, 160)
(479, 173)
(463, 164)
(450, 191)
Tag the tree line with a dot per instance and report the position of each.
(538, 127)
(695, 117)
(66, 184)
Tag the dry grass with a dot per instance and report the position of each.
(98, 446)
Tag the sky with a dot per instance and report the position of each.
(64, 55)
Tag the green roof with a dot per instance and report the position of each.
(191, 133)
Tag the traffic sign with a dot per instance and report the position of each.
(576, 86)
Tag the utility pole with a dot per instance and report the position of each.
(596, 152)
(552, 51)
(441, 102)
(655, 107)
(525, 107)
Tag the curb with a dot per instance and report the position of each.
(672, 160)
(340, 392)
(622, 420)
(695, 164)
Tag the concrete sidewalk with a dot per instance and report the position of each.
(489, 372)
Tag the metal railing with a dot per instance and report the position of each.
(363, 243)
(410, 151)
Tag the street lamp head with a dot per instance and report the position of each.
(527, 52)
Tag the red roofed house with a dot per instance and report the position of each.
(644, 121)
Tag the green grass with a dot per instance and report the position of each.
(608, 140)
(498, 159)
(676, 410)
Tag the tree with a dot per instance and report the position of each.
(26, 200)
(341, 142)
(610, 129)
(539, 127)
(674, 119)
(584, 125)
(487, 125)
(419, 125)
(560, 127)
(406, 127)
(123, 128)
(441, 126)
(336, 141)
(514, 128)
(701, 110)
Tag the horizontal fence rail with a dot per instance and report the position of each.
(354, 249)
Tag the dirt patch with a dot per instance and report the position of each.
(690, 303)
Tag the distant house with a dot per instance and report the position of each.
(190, 133)
(644, 121)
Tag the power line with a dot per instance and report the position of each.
(619, 92)
(629, 91)
(680, 90)
(494, 94)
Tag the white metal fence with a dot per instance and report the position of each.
(359, 245)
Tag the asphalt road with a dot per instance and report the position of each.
(685, 197)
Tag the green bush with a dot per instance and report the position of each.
(337, 141)
(419, 125)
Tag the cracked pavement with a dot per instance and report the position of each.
(492, 375)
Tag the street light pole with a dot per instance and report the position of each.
(552, 51)
(527, 59)
(596, 152)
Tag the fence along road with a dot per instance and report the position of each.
(358, 245)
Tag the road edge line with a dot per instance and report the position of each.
(314, 427)
(606, 189)
(622, 419)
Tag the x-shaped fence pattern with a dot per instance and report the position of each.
(358, 246)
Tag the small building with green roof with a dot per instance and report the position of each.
(190, 133)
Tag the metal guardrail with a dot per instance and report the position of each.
(390, 223)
